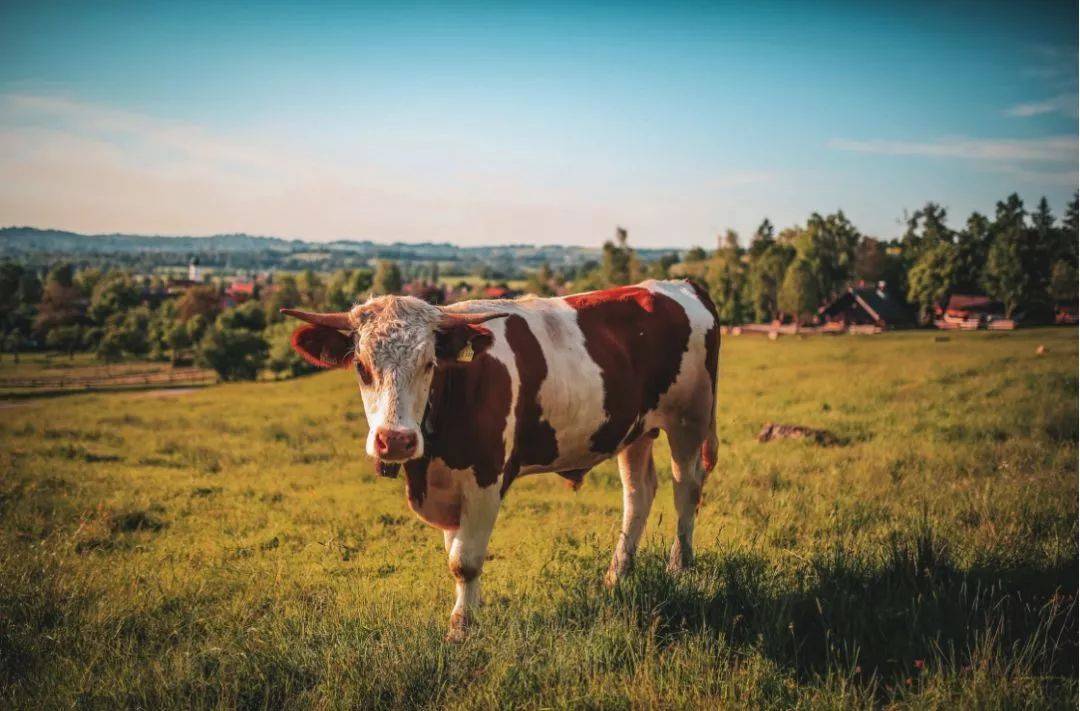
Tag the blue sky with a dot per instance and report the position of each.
(494, 123)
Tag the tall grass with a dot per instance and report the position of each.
(233, 548)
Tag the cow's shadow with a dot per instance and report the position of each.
(883, 618)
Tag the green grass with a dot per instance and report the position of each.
(231, 547)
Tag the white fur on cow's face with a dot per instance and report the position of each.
(395, 343)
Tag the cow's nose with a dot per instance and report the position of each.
(395, 444)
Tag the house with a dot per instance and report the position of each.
(862, 307)
(500, 292)
(968, 312)
(1065, 313)
(240, 290)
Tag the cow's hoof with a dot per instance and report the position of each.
(459, 627)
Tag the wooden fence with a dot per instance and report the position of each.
(127, 379)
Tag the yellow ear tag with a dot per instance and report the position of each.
(465, 355)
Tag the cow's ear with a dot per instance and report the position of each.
(460, 343)
(323, 346)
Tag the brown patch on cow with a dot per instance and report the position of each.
(534, 438)
(469, 407)
(463, 573)
(637, 338)
(433, 493)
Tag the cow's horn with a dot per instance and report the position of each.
(450, 319)
(339, 320)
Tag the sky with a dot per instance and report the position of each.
(495, 123)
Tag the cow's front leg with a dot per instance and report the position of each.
(479, 508)
(639, 487)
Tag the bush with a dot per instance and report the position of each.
(235, 353)
(283, 360)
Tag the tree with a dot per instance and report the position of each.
(61, 304)
(618, 263)
(13, 342)
(925, 227)
(248, 315)
(728, 241)
(972, 245)
(312, 290)
(112, 293)
(66, 339)
(388, 278)
(799, 293)
(695, 254)
(201, 300)
(11, 275)
(540, 282)
(1063, 282)
(827, 245)
(726, 279)
(869, 264)
(234, 353)
(932, 277)
(764, 237)
(1071, 222)
(661, 268)
(111, 346)
(283, 360)
(1016, 271)
(178, 339)
(765, 279)
(1005, 277)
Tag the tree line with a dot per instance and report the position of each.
(1027, 260)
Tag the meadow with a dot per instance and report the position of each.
(232, 547)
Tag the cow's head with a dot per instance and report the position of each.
(394, 343)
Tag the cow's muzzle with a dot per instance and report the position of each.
(395, 446)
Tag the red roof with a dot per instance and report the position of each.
(973, 302)
(245, 288)
(496, 292)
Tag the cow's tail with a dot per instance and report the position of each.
(712, 363)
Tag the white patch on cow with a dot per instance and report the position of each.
(467, 546)
(394, 340)
(572, 395)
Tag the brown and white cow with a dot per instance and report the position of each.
(471, 396)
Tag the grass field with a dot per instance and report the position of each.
(231, 547)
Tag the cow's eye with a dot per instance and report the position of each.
(429, 366)
(365, 374)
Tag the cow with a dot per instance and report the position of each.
(466, 398)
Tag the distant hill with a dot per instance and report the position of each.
(31, 239)
(275, 251)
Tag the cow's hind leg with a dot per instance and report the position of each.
(466, 549)
(639, 487)
(688, 472)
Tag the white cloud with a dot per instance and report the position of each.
(1054, 149)
(1064, 104)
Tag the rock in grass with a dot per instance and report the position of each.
(772, 431)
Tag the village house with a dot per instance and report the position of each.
(968, 312)
(864, 308)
